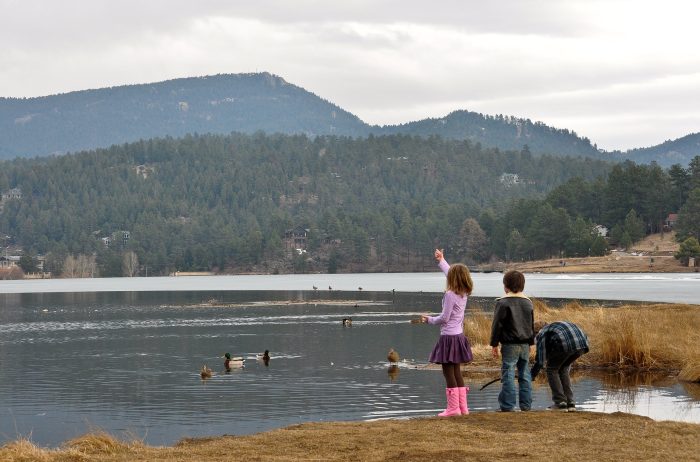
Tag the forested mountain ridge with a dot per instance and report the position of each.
(679, 151)
(247, 103)
(501, 131)
(225, 201)
(214, 104)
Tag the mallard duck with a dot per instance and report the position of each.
(393, 356)
(206, 372)
(230, 362)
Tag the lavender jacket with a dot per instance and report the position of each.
(453, 305)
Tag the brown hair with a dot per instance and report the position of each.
(459, 280)
(514, 281)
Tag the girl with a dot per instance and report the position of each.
(452, 348)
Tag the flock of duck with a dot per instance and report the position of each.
(234, 362)
(231, 363)
(238, 362)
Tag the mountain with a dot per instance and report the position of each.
(247, 103)
(215, 104)
(678, 151)
(503, 132)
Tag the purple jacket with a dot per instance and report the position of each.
(453, 306)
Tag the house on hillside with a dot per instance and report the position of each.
(296, 238)
(9, 261)
(670, 221)
(601, 230)
(510, 179)
(14, 193)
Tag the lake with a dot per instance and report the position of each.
(128, 362)
(652, 287)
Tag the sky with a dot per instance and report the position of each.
(623, 73)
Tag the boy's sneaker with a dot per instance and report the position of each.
(570, 407)
(558, 407)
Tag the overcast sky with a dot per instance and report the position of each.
(623, 73)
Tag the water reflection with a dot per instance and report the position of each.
(655, 395)
(393, 372)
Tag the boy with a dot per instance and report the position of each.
(513, 328)
(559, 344)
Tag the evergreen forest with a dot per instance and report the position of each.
(220, 203)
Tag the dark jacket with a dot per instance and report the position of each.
(513, 321)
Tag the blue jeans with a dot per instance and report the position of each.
(515, 355)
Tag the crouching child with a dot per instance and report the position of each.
(559, 344)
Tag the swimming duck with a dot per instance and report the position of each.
(393, 356)
(347, 322)
(232, 362)
(206, 372)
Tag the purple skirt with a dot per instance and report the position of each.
(453, 349)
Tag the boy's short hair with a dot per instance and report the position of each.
(514, 281)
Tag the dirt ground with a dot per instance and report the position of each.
(486, 436)
(652, 254)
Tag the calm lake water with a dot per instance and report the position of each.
(128, 363)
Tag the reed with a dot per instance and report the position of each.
(640, 337)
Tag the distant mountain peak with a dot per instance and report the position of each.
(262, 101)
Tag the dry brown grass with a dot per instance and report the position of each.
(484, 436)
(631, 337)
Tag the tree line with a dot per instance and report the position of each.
(631, 201)
(220, 202)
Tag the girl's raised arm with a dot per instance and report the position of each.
(440, 257)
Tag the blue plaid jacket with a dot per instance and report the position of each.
(562, 335)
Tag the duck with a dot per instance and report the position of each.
(393, 356)
(230, 362)
(360, 288)
(330, 288)
(347, 322)
(315, 288)
(206, 373)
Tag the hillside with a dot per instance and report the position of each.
(215, 104)
(679, 151)
(500, 131)
(215, 202)
(247, 103)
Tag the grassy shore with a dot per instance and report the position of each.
(488, 436)
(628, 338)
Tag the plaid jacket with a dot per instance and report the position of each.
(562, 336)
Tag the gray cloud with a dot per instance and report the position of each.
(579, 64)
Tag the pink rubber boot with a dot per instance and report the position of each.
(452, 403)
(463, 400)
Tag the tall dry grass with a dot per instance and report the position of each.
(642, 337)
(93, 446)
(588, 435)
